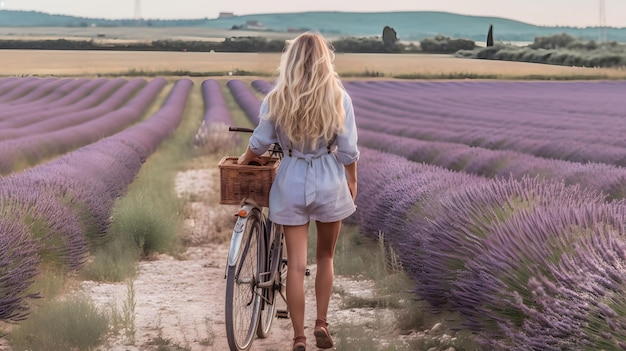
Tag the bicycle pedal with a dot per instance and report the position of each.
(282, 314)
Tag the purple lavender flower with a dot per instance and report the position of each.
(247, 100)
(19, 265)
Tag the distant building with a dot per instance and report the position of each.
(255, 25)
(226, 15)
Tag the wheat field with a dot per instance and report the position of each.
(90, 63)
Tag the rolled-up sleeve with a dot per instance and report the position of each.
(264, 134)
(347, 149)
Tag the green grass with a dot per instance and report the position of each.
(468, 75)
(149, 216)
(71, 323)
(113, 261)
(370, 74)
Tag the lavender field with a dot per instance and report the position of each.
(503, 200)
(97, 139)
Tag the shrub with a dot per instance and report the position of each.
(445, 45)
(366, 45)
(553, 42)
(65, 324)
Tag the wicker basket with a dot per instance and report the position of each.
(240, 181)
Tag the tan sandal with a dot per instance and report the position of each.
(322, 336)
(299, 343)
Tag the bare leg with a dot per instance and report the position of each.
(327, 234)
(296, 240)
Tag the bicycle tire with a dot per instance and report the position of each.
(268, 300)
(243, 299)
(282, 268)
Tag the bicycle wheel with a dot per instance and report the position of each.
(242, 294)
(268, 299)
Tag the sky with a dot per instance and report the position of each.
(577, 13)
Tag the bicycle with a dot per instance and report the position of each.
(256, 271)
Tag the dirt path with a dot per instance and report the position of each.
(180, 302)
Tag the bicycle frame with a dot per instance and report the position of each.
(273, 270)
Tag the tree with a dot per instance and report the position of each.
(390, 39)
(442, 44)
(556, 41)
(490, 36)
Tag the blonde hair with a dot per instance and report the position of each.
(307, 99)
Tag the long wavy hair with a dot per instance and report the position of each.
(306, 102)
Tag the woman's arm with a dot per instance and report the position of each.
(262, 138)
(347, 148)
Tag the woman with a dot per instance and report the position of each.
(309, 113)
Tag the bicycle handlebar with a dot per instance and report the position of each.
(240, 129)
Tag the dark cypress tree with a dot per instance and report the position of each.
(490, 36)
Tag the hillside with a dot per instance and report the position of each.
(410, 26)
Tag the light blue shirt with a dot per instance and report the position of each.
(310, 184)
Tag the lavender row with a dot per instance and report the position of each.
(262, 86)
(55, 211)
(83, 96)
(246, 99)
(5, 82)
(215, 108)
(80, 128)
(608, 179)
(110, 97)
(530, 264)
(213, 132)
(536, 105)
(40, 93)
(570, 150)
(562, 136)
(45, 94)
(20, 87)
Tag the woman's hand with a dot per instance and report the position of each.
(242, 160)
(352, 185)
(246, 157)
(351, 177)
